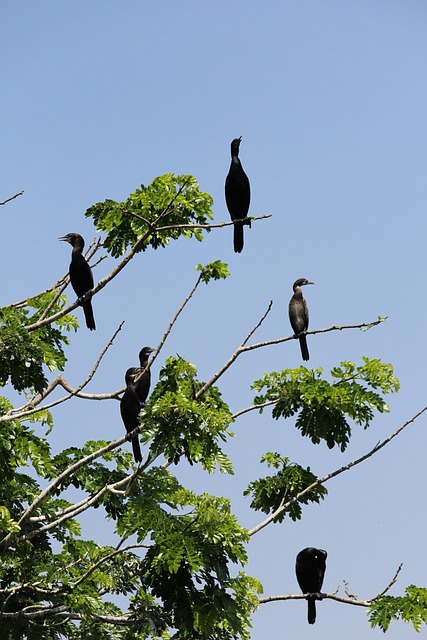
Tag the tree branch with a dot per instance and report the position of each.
(235, 355)
(15, 414)
(351, 599)
(329, 476)
(12, 197)
(243, 348)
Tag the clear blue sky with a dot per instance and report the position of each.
(331, 100)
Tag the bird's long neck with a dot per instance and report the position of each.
(297, 292)
(77, 249)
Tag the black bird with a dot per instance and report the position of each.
(237, 195)
(298, 315)
(135, 396)
(130, 407)
(81, 277)
(143, 383)
(310, 569)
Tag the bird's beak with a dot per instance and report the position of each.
(310, 283)
(65, 238)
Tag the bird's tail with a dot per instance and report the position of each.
(238, 237)
(88, 311)
(136, 449)
(304, 348)
(311, 616)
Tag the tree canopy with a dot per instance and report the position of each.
(176, 568)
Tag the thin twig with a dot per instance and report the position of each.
(235, 355)
(12, 197)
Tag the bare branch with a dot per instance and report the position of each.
(390, 584)
(218, 225)
(330, 596)
(351, 599)
(243, 348)
(329, 476)
(235, 355)
(12, 197)
(169, 329)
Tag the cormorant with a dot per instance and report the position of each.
(237, 195)
(310, 570)
(130, 407)
(143, 384)
(298, 315)
(135, 396)
(81, 277)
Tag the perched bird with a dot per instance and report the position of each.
(298, 315)
(144, 381)
(310, 570)
(237, 195)
(81, 277)
(135, 396)
(130, 407)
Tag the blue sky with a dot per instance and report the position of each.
(331, 101)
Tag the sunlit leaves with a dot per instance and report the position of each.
(325, 409)
(180, 424)
(154, 214)
(214, 271)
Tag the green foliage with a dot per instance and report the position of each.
(181, 422)
(178, 556)
(271, 493)
(187, 568)
(152, 214)
(22, 352)
(412, 607)
(325, 409)
(20, 446)
(214, 271)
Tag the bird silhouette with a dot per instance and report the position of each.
(134, 397)
(310, 569)
(237, 195)
(81, 277)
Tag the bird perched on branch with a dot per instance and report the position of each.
(81, 277)
(237, 195)
(134, 397)
(310, 569)
(298, 315)
(144, 380)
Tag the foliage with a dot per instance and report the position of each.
(325, 409)
(176, 567)
(179, 422)
(412, 607)
(272, 493)
(23, 353)
(154, 215)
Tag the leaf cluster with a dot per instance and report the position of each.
(271, 493)
(326, 409)
(23, 353)
(179, 422)
(151, 214)
(412, 607)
